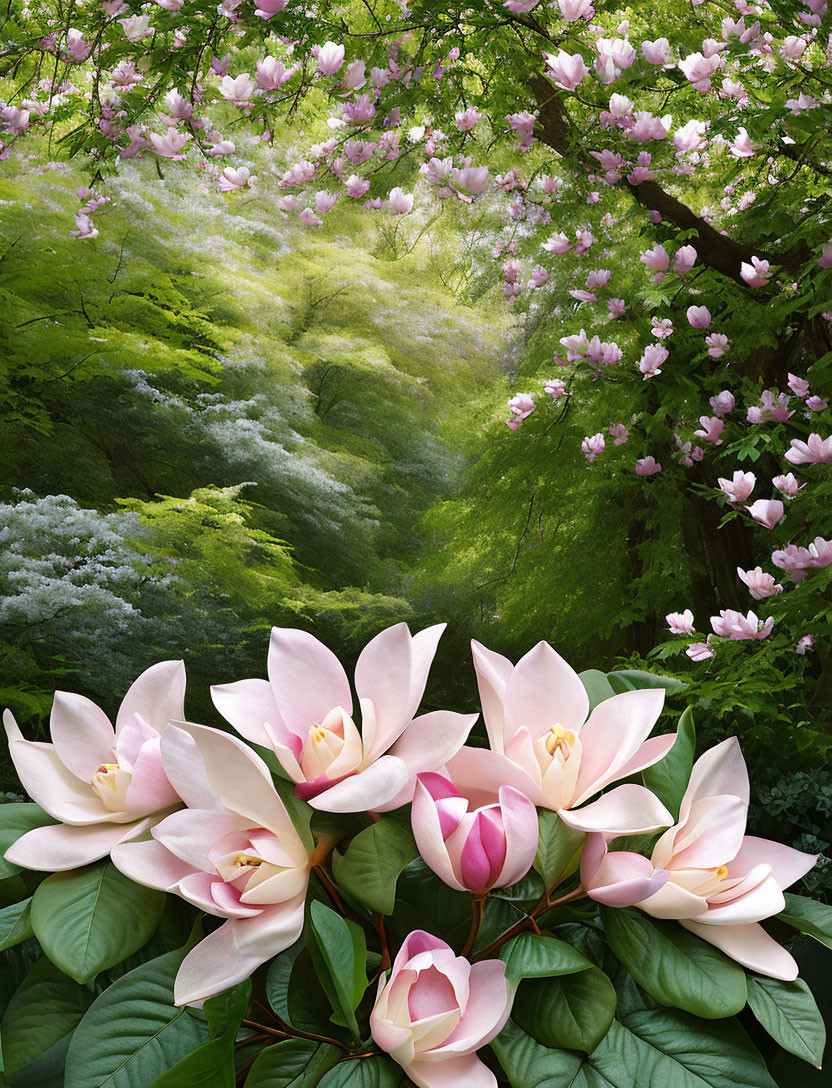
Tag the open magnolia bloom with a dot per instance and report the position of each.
(233, 853)
(543, 744)
(705, 871)
(303, 712)
(98, 781)
(436, 1010)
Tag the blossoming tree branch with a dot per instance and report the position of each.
(366, 888)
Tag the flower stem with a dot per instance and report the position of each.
(477, 907)
(287, 1032)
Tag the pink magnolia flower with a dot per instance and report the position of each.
(76, 47)
(814, 451)
(680, 623)
(742, 146)
(232, 179)
(653, 358)
(97, 781)
(543, 744)
(788, 485)
(705, 871)
(717, 344)
(399, 202)
(684, 260)
(767, 512)
(739, 628)
(647, 466)
(617, 307)
(739, 487)
(711, 429)
(661, 327)
(700, 651)
(657, 52)
(267, 9)
(521, 407)
(303, 713)
(330, 58)
(760, 585)
(238, 89)
(793, 560)
(566, 69)
(698, 69)
(699, 317)
(492, 847)
(820, 551)
(558, 243)
(722, 403)
(817, 404)
(435, 1010)
(620, 433)
(233, 852)
(592, 446)
(806, 643)
(357, 186)
(757, 273)
(656, 259)
(572, 10)
(170, 145)
(555, 387)
(309, 219)
(799, 386)
(85, 226)
(272, 73)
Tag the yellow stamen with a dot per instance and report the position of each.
(317, 734)
(559, 739)
(249, 860)
(721, 872)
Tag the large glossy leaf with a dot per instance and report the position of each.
(423, 901)
(533, 956)
(635, 679)
(529, 1064)
(295, 1063)
(597, 686)
(363, 1073)
(370, 867)
(338, 950)
(15, 820)
(674, 966)
(15, 924)
(211, 1065)
(225, 1011)
(558, 848)
(133, 1033)
(89, 919)
(669, 778)
(44, 1010)
(573, 1012)
(809, 917)
(789, 1013)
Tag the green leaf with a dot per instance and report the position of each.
(211, 1065)
(363, 1073)
(15, 820)
(133, 1032)
(15, 924)
(46, 1007)
(538, 956)
(295, 1063)
(572, 1013)
(339, 952)
(635, 679)
(89, 919)
(597, 686)
(300, 813)
(669, 778)
(225, 1012)
(529, 1064)
(558, 848)
(807, 916)
(423, 901)
(789, 1013)
(370, 867)
(674, 966)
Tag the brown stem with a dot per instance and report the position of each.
(330, 888)
(287, 1032)
(382, 936)
(529, 921)
(477, 906)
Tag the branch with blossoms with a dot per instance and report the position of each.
(312, 851)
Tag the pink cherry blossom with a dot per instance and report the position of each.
(303, 713)
(705, 871)
(739, 628)
(492, 847)
(233, 853)
(814, 451)
(768, 512)
(680, 623)
(543, 744)
(739, 487)
(435, 1010)
(97, 781)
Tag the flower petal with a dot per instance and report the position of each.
(626, 810)
(751, 946)
(427, 744)
(427, 831)
(148, 862)
(383, 676)
(478, 773)
(307, 679)
(719, 771)
(157, 695)
(185, 770)
(521, 831)
(451, 1073)
(487, 1011)
(247, 705)
(787, 865)
(544, 691)
(615, 731)
(493, 672)
(82, 734)
(58, 847)
(363, 792)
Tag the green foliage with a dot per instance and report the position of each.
(338, 950)
(369, 868)
(790, 1015)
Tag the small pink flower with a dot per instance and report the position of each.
(757, 273)
(656, 259)
(817, 404)
(330, 58)
(717, 344)
(566, 69)
(740, 628)
(617, 307)
(699, 317)
(521, 407)
(711, 429)
(722, 403)
(825, 259)
(806, 643)
(799, 386)
(684, 260)
(647, 466)
(592, 446)
(815, 451)
(788, 485)
(767, 512)
(700, 651)
(680, 623)
(555, 388)
(760, 584)
(739, 487)
(620, 433)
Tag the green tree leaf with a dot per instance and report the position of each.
(669, 778)
(789, 1013)
(45, 1009)
(225, 1011)
(573, 1012)
(339, 952)
(363, 1073)
(15, 820)
(674, 966)
(558, 847)
(371, 864)
(423, 901)
(809, 917)
(89, 919)
(529, 1064)
(538, 956)
(597, 686)
(15, 924)
(634, 679)
(211, 1065)
(133, 1033)
(295, 1063)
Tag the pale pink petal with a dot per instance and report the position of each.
(763, 901)
(234, 951)
(247, 705)
(82, 734)
(157, 695)
(427, 744)
(185, 770)
(49, 783)
(751, 946)
(375, 786)
(214, 896)
(423, 651)
(623, 878)
(58, 847)
(626, 810)
(148, 862)
(671, 901)
(427, 831)
(787, 864)
(451, 1073)
(307, 679)
(382, 675)
(478, 774)
(521, 832)
(487, 1011)
(719, 771)
(190, 833)
(149, 789)
(493, 672)
(650, 752)
(711, 835)
(544, 691)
